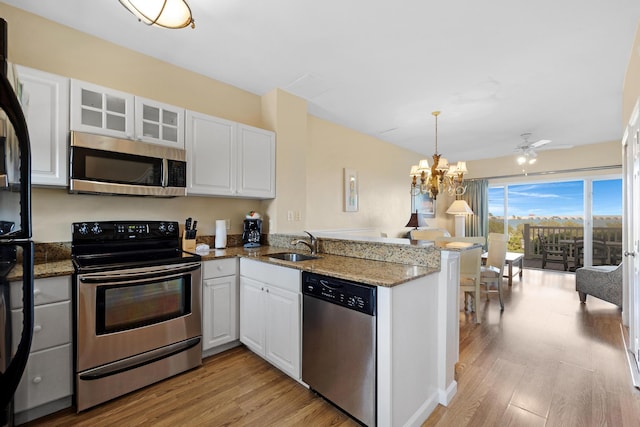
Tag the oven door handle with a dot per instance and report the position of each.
(150, 273)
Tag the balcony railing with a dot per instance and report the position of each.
(558, 238)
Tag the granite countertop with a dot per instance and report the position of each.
(372, 272)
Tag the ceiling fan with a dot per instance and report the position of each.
(527, 149)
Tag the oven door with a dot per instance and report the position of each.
(125, 313)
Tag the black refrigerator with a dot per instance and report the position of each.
(16, 247)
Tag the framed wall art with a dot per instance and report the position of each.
(350, 190)
(424, 204)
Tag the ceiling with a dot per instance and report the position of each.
(495, 69)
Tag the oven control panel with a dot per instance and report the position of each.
(123, 230)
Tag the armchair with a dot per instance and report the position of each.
(602, 281)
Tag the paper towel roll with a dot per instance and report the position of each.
(221, 234)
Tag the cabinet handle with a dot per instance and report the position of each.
(219, 268)
(37, 328)
(37, 380)
(36, 292)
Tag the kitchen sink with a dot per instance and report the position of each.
(292, 256)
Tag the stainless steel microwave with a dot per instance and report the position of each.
(105, 165)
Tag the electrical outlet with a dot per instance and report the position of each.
(298, 216)
(228, 224)
(289, 215)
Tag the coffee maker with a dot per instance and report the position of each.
(251, 232)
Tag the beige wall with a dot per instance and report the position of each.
(581, 157)
(383, 175)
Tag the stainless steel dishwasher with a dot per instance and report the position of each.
(339, 343)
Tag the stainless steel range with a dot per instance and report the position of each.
(137, 315)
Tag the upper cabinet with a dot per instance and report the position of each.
(97, 109)
(225, 158)
(159, 123)
(45, 101)
(256, 162)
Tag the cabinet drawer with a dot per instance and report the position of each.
(51, 327)
(47, 377)
(282, 277)
(220, 268)
(45, 291)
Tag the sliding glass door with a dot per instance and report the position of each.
(580, 220)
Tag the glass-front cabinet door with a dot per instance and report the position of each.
(96, 109)
(159, 123)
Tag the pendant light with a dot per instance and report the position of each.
(161, 13)
(440, 177)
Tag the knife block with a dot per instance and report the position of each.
(188, 245)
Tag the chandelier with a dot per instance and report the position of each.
(440, 177)
(161, 13)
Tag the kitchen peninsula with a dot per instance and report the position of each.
(417, 312)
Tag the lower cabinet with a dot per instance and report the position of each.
(46, 384)
(219, 303)
(270, 314)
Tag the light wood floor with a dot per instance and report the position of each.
(546, 360)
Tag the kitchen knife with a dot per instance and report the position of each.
(187, 224)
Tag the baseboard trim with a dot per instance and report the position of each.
(631, 360)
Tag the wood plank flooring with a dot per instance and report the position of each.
(547, 360)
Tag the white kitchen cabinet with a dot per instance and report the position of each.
(97, 109)
(225, 158)
(46, 385)
(270, 314)
(256, 162)
(159, 123)
(45, 101)
(211, 155)
(220, 317)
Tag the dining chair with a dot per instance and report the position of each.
(470, 260)
(491, 273)
(553, 252)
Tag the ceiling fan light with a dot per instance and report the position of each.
(161, 13)
(532, 161)
(522, 159)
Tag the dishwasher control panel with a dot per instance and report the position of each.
(355, 296)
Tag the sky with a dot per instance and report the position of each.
(557, 199)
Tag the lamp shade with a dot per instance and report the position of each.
(443, 164)
(161, 13)
(459, 207)
(461, 167)
(413, 220)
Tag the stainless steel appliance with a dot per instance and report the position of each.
(251, 232)
(137, 315)
(16, 248)
(339, 343)
(103, 164)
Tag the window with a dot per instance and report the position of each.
(569, 212)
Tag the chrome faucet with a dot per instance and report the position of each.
(312, 244)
